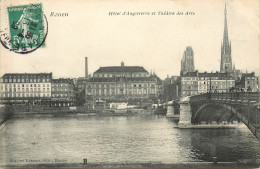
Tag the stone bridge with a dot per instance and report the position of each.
(221, 108)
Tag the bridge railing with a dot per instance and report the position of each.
(229, 96)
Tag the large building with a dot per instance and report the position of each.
(187, 62)
(16, 87)
(63, 93)
(193, 83)
(226, 59)
(250, 82)
(122, 83)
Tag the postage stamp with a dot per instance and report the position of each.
(26, 27)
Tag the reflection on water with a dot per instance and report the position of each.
(120, 139)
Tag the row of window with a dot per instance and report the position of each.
(214, 87)
(24, 95)
(121, 91)
(23, 85)
(251, 78)
(218, 82)
(121, 75)
(205, 78)
(59, 85)
(26, 80)
(59, 89)
(252, 82)
(189, 92)
(25, 89)
(122, 85)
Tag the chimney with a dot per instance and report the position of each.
(122, 64)
(86, 67)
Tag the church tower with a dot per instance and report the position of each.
(187, 62)
(226, 60)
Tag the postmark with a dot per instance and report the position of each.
(28, 29)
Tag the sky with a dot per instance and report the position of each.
(156, 42)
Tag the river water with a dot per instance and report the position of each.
(120, 139)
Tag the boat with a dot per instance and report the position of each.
(160, 111)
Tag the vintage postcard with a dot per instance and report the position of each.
(129, 84)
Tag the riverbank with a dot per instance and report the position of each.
(71, 113)
(208, 126)
(139, 165)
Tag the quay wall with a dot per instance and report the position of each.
(6, 112)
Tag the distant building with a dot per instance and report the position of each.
(193, 83)
(250, 82)
(171, 88)
(63, 93)
(236, 74)
(80, 90)
(19, 87)
(122, 83)
(187, 62)
(226, 59)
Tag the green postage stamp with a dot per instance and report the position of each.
(26, 24)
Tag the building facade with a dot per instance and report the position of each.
(250, 82)
(187, 62)
(171, 88)
(25, 86)
(121, 83)
(193, 83)
(63, 92)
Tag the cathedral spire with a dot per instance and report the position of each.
(225, 37)
(226, 60)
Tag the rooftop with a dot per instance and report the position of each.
(62, 80)
(121, 69)
(123, 79)
(206, 74)
(8, 75)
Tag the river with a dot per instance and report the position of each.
(120, 139)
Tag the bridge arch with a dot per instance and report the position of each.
(235, 111)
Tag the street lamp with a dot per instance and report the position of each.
(210, 84)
